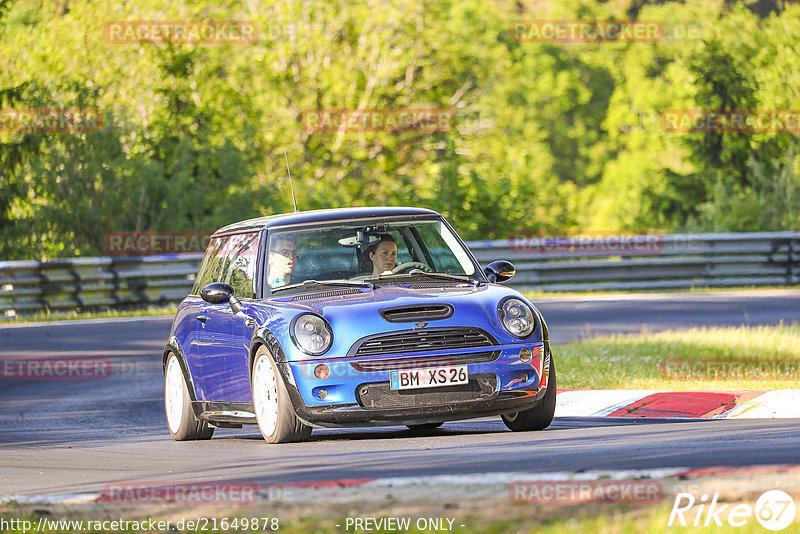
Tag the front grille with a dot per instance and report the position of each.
(327, 294)
(410, 314)
(379, 395)
(423, 339)
(369, 366)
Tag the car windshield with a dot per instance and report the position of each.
(357, 252)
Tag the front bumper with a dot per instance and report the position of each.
(500, 383)
(349, 415)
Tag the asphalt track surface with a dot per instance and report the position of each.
(73, 436)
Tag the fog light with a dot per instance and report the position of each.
(321, 372)
(525, 355)
(322, 394)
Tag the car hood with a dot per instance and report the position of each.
(353, 316)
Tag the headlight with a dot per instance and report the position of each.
(517, 317)
(312, 334)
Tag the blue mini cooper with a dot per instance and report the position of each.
(352, 317)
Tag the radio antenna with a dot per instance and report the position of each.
(290, 179)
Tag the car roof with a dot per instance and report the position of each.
(321, 216)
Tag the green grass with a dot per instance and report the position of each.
(103, 314)
(638, 361)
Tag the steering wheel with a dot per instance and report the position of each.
(407, 266)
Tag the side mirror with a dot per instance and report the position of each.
(217, 293)
(500, 271)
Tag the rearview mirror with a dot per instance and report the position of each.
(358, 239)
(500, 271)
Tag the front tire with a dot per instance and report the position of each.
(274, 412)
(540, 416)
(181, 421)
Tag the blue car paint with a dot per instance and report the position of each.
(226, 356)
(188, 332)
(219, 358)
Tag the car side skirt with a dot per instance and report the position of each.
(225, 414)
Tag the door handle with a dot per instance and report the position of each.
(202, 318)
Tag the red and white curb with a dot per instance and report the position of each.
(436, 487)
(399, 488)
(778, 404)
(377, 489)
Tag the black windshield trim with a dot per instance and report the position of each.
(405, 277)
(316, 284)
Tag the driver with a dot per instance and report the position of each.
(282, 257)
(384, 255)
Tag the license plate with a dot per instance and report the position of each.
(430, 377)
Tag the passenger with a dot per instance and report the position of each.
(282, 257)
(383, 255)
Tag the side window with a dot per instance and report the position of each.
(210, 266)
(240, 267)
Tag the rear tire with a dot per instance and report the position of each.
(275, 415)
(181, 421)
(540, 416)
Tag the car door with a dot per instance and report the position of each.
(187, 330)
(226, 365)
(195, 336)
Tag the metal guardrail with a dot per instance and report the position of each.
(30, 286)
(544, 264)
(657, 262)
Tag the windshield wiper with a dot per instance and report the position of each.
(322, 283)
(441, 276)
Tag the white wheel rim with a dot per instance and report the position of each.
(173, 394)
(265, 395)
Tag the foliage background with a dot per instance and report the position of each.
(548, 137)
